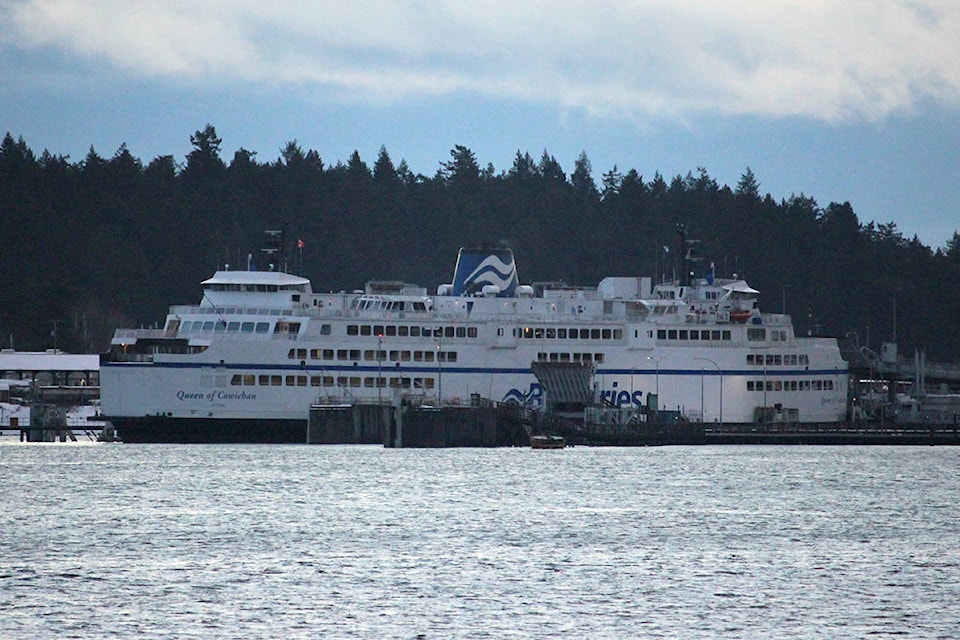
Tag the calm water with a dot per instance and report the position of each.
(363, 542)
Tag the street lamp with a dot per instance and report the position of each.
(379, 360)
(720, 375)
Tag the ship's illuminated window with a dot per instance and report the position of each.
(377, 330)
(527, 332)
(538, 333)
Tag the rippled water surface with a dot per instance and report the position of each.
(362, 542)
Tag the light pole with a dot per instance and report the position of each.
(720, 375)
(379, 360)
(657, 359)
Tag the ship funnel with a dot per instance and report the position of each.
(479, 267)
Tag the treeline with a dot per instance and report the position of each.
(105, 242)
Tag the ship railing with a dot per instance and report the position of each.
(144, 333)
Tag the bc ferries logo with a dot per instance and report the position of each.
(622, 398)
(532, 399)
(477, 268)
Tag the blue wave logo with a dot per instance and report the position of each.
(492, 270)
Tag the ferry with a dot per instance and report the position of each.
(246, 364)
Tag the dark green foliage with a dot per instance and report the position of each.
(108, 242)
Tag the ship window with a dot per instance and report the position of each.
(587, 357)
(428, 356)
(246, 327)
(598, 357)
(418, 356)
(726, 334)
(605, 334)
(378, 330)
(292, 354)
(353, 330)
(262, 327)
(403, 331)
(538, 333)
(683, 334)
(391, 330)
(778, 359)
(471, 332)
(354, 354)
(448, 332)
(328, 381)
(618, 334)
(561, 334)
(595, 334)
(414, 332)
(672, 334)
(461, 332)
(554, 357)
(276, 381)
(328, 354)
(564, 357)
(661, 334)
(527, 332)
(405, 356)
(315, 381)
(341, 354)
(314, 354)
(756, 335)
(354, 381)
(236, 380)
(233, 326)
(369, 354)
(325, 329)
(551, 333)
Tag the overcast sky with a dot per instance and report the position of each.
(853, 101)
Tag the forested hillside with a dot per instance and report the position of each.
(102, 242)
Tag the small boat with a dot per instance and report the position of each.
(547, 442)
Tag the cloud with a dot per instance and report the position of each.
(857, 60)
